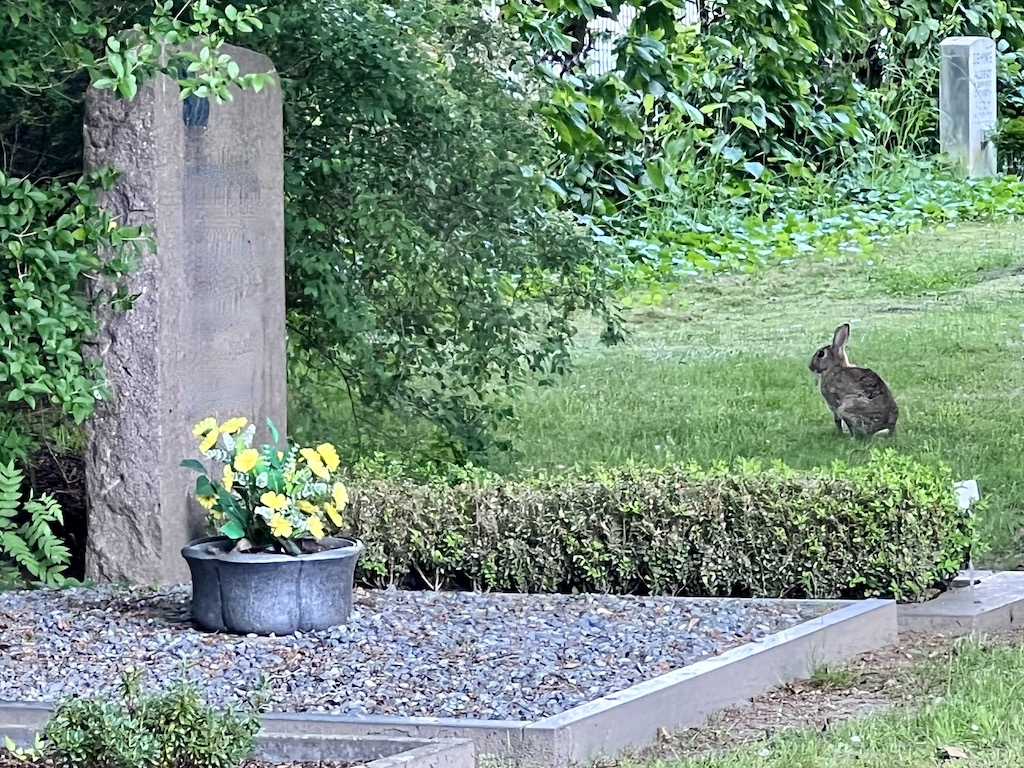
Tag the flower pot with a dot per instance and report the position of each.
(268, 593)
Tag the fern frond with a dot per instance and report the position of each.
(32, 547)
(10, 493)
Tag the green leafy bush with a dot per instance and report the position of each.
(429, 275)
(62, 256)
(173, 728)
(29, 547)
(889, 527)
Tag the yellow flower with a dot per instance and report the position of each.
(246, 460)
(207, 501)
(276, 501)
(233, 425)
(229, 478)
(316, 527)
(279, 526)
(340, 494)
(204, 426)
(333, 514)
(280, 455)
(209, 441)
(316, 466)
(305, 506)
(329, 455)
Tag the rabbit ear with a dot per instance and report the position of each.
(841, 336)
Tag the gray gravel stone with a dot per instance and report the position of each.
(404, 653)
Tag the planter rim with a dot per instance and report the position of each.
(196, 551)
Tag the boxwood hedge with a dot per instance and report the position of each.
(889, 527)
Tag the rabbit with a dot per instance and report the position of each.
(860, 401)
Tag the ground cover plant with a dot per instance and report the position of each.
(169, 727)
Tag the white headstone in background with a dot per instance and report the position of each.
(967, 103)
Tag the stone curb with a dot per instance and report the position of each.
(995, 603)
(629, 718)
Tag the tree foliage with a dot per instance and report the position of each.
(785, 85)
(428, 272)
(458, 187)
(426, 264)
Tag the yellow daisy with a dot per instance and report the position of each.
(306, 507)
(246, 460)
(209, 441)
(329, 455)
(276, 501)
(316, 466)
(279, 526)
(340, 494)
(229, 478)
(233, 425)
(316, 528)
(204, 426)
(332, 513)
(207, 501)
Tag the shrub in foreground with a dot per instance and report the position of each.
(173, 728)
(890, 527)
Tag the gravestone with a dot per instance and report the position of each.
(206, 335)
(967, 104)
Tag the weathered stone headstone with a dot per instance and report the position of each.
(967, 103)
(206, 337)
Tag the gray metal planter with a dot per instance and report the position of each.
(270, 593)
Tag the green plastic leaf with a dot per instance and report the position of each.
(232, 530)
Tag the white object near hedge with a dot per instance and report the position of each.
(966, 494)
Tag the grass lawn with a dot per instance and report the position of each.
(719, 370)
(968, 699)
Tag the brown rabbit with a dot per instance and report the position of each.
(860, 401)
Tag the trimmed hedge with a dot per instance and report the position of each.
(890, 527)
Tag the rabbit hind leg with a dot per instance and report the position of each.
(855, 417)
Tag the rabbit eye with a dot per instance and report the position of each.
(821, 353)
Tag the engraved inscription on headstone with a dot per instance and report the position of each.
(207, 337)
(982, 78)
(967, 103)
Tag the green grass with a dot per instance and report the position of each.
(719, 370)
(971, 700)
(832, 676)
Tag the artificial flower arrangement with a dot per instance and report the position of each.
(267, 499)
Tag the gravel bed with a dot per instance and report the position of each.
(447, 654)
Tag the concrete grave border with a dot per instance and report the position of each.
(632, 717)
(980, 601)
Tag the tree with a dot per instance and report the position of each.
(429, 273)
